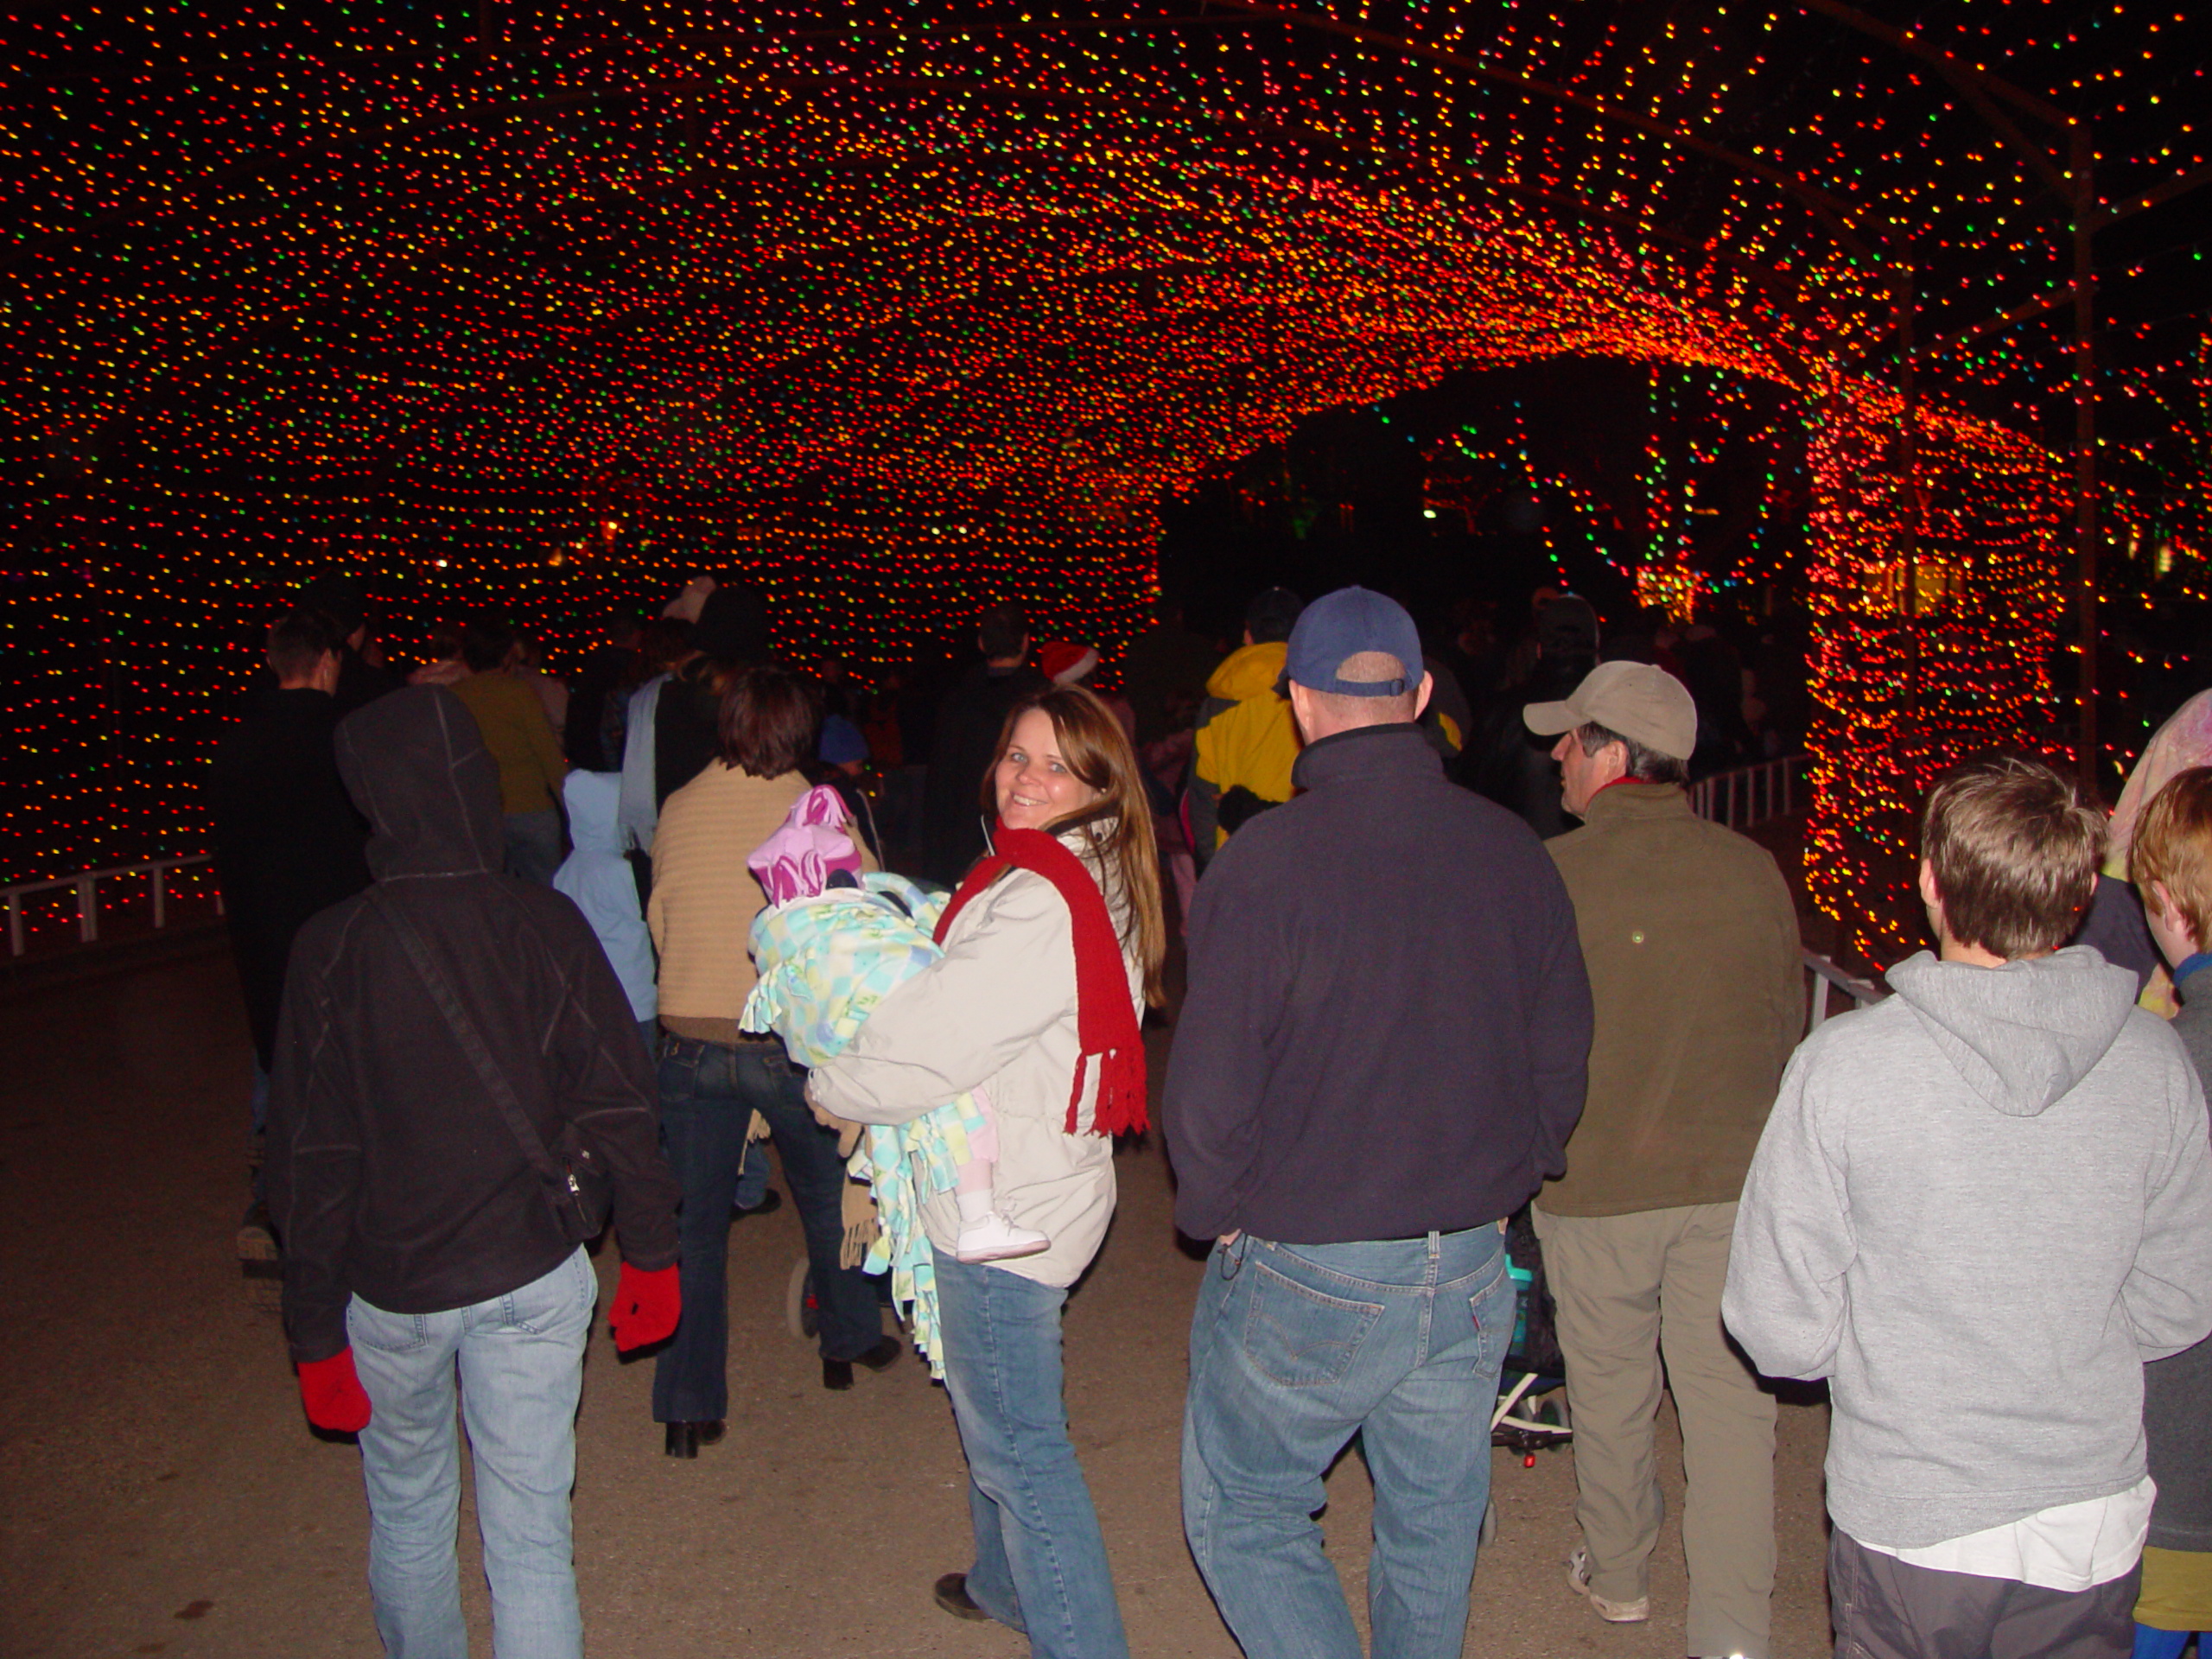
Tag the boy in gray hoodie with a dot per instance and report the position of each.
(1977, 1209)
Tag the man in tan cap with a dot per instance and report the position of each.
(1691, 941)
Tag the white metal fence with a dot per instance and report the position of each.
(1748, 795)
(1828, 977)
(86, 884)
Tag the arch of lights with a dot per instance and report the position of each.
(904, 309)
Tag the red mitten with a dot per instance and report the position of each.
(332, 1391)
(646, 1306)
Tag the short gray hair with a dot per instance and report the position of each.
(1372, 667)
(1645, 766)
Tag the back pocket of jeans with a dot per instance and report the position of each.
(388, 1333)
(549, 1303)
(1497, 1309)
(1298, 1337)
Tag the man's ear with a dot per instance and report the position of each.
(1420, 699)
(1929, 896)
(2169, 912)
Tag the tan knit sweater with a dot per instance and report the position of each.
(704, 899)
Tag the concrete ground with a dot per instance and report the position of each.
(160, 1492)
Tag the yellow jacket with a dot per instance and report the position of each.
(1247, 744)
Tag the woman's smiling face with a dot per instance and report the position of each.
(1034, 785)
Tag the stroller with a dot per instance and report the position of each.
(1531, 1412)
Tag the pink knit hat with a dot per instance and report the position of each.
(796, 860)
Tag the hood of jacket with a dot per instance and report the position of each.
(2021, 1035)
(417, 766)
(1249, 671)
(594, 799)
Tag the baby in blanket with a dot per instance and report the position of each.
(810, 853)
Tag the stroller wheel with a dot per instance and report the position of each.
(801, 1316)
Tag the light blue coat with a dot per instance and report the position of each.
(598, 878)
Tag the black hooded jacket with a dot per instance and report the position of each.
(392, 1171)
(287, 841)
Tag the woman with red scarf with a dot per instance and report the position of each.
(1052, 945)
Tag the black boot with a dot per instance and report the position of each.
(685, 1440)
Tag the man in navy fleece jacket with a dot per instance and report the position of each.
(1382, 1055)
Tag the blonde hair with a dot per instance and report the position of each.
(1117, 825)
(2173, 845)
(2014, 851)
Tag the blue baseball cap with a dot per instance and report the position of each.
(1338, 626)
(842, 741)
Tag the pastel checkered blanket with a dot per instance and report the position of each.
(825, 963)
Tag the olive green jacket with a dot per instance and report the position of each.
(1691, 941)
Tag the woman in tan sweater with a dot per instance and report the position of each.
(714, 1075)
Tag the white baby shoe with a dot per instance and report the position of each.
(993, 1238)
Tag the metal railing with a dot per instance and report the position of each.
(87, 883)
(1747, 795)
(1826, 974)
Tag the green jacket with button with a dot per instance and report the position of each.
(1691, 940)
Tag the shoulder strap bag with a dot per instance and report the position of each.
(574, 1176)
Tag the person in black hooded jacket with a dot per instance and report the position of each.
(288, 842)
(418, 1238)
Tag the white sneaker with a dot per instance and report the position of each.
(997, 1239)
(1613, 1612)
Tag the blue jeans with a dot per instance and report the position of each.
(520, 1359)
(2163, 1644)
(1296, 1348)
(709, 1092)
(752, 1178)
(1040, 1562)
(533, 845)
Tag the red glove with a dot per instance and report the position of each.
(332, 1391)
(646, 1306)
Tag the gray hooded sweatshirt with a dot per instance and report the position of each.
(1977, 1209)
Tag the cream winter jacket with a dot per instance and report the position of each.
(997, 1011)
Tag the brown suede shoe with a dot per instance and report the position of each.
(951, 1594)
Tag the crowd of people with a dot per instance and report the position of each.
(1444, 971)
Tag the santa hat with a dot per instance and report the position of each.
(1065, 664)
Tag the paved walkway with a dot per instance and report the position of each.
(160, 1492)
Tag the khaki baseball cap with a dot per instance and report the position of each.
(1635, 699)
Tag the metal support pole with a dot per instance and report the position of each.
(88, 909)
(2085, 449)
(159, 873)
(15, 922)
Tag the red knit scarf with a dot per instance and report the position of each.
(1106, 1024)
